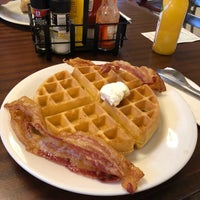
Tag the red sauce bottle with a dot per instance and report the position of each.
(107, 13)
(92, 10)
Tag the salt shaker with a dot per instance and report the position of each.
(60, 26)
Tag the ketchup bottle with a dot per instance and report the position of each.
(107, 13)
(92, 10)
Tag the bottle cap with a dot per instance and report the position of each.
(60, 6)
(40, 4)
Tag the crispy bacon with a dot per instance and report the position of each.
(79, 152)
(145, 74)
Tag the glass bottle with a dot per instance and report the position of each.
(60, 30)
(169, 26)
(92, 10)
(107, 13)
(40, 12)
(77, 18)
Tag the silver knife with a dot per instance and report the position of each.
(174, 83)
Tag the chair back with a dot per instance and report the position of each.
(191, 17)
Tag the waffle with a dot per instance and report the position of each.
(71, 103)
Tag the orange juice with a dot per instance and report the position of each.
(169, 26)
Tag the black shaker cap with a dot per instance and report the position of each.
(60, 6)
(40, 4)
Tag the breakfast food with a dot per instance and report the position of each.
(24, 5)
(79, 152)
(145, 74)
(74, 121)
(71, 103)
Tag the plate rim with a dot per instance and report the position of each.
(10, 19)
(52, 70)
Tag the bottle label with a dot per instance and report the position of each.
(40, 13)
(111, 32)
(59, 20)
(107, 36)
(41, 17)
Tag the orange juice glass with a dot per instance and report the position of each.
(169, 26)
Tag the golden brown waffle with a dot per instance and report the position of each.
(71, 102)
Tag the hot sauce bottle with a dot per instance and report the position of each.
(107, 17)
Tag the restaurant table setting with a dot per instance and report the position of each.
(170, 160)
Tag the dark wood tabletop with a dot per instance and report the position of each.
(18, 60)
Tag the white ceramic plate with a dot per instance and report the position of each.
(193, 102)
(174, 142)
(11, 12)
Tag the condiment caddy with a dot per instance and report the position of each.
(56, 30)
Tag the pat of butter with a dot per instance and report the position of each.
(114, 93)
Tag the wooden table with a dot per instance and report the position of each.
(18, 60)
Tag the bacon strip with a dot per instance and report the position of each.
(145, 74)
(81, 153)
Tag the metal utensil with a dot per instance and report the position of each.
(178, 80)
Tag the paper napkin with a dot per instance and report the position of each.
(185, 36)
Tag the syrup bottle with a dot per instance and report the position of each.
(107, 13)
(169, 26)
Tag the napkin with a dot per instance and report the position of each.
(126, 17)
(193, 102)
(185, 36)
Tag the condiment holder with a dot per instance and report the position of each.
(46, 41)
